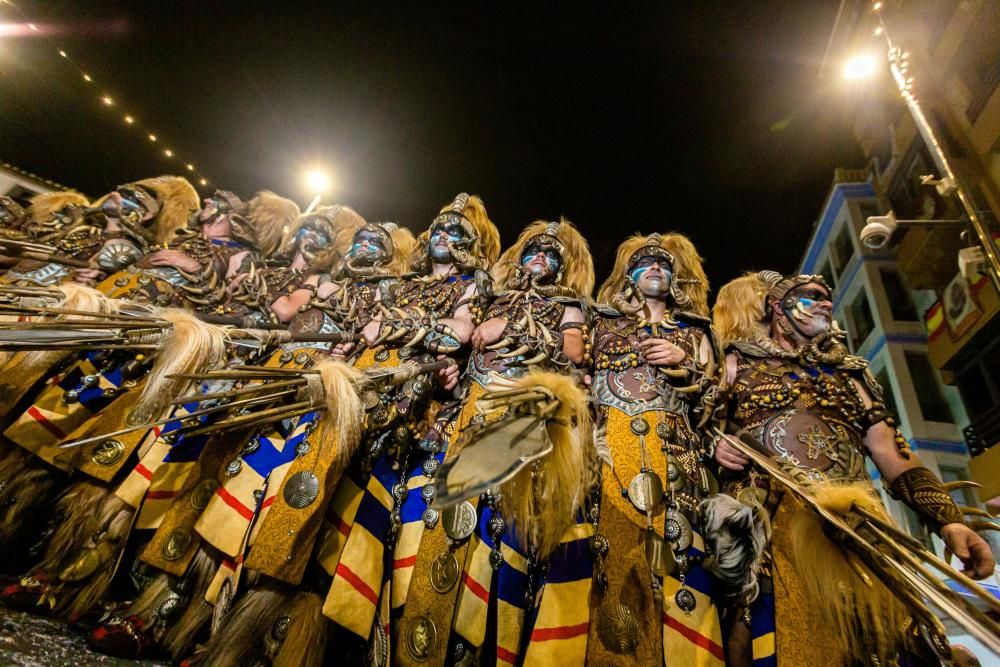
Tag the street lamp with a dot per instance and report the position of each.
(948, 184)
(318, 182)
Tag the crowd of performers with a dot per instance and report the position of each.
(234, 433)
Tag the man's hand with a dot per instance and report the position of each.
(728, 456)
(88, 276)
(659, 352)
(970, 548)
(488, 333)
(341, 350)
(447, 377)
(174, 258)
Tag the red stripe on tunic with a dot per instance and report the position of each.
(234, 502)
(267, 502)
(561, 632)
(357, 583)
(476, 588)
(43, 421)
(506, 656)
(144, 471)
(160, 495)
(342, 526)
(409, 561)
(695, 638)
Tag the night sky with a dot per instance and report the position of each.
(622, 117)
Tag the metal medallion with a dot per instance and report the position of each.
(90, 381)
(301, 489)
(444, 572)
(170, 607)
(302, 448)
(121, 282)
(660, 558)
(618, 628)
(203, 493)
(459, 520)
(430, 517)
(301, 358)
(666, 431)
(370, 399)
(427, 493)
(404, 353)
(421, 639)
(176, 544)
(685, 600)
(430, 466)
(675, 477)
(251, 446)
(234, 467)
(378, 651)
(80, 565)
(677, 530)
(639, 426)
(645, 491)
(279, 630)
(71, 396)
(108, 452)
(382, 354)
(285, 357)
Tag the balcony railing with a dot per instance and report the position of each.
(984, 432)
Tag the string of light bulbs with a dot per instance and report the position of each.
(115, 104)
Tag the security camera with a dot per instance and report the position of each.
(879, 228)
(971, 263)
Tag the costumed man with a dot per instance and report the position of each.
(532, 336)
(108, 397)
(35, 220)
(377, 515)
(188, 471)
(136, 216)
(635, 590)
(219, 243)
(294, 487)
(44, 401)
(817, 411)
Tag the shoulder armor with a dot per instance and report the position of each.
(747, 348)
(484, 284)
(387, 290)
(604, 310)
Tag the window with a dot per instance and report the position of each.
(887, 394)
(843, 249)
(824, 270)
(900, 303)
(933, 407)
(861, 320)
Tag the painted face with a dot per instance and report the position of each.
(540, 261)
(651, 276)
(367, 248)
(125, 204)
(444, 233)
(311, 238)
(809, 308)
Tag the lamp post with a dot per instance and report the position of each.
(949, 184)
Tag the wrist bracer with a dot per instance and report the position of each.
(925, 494)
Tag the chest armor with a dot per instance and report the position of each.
(808, 418)
(623, 381)
(436, 295)
(514, 308)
